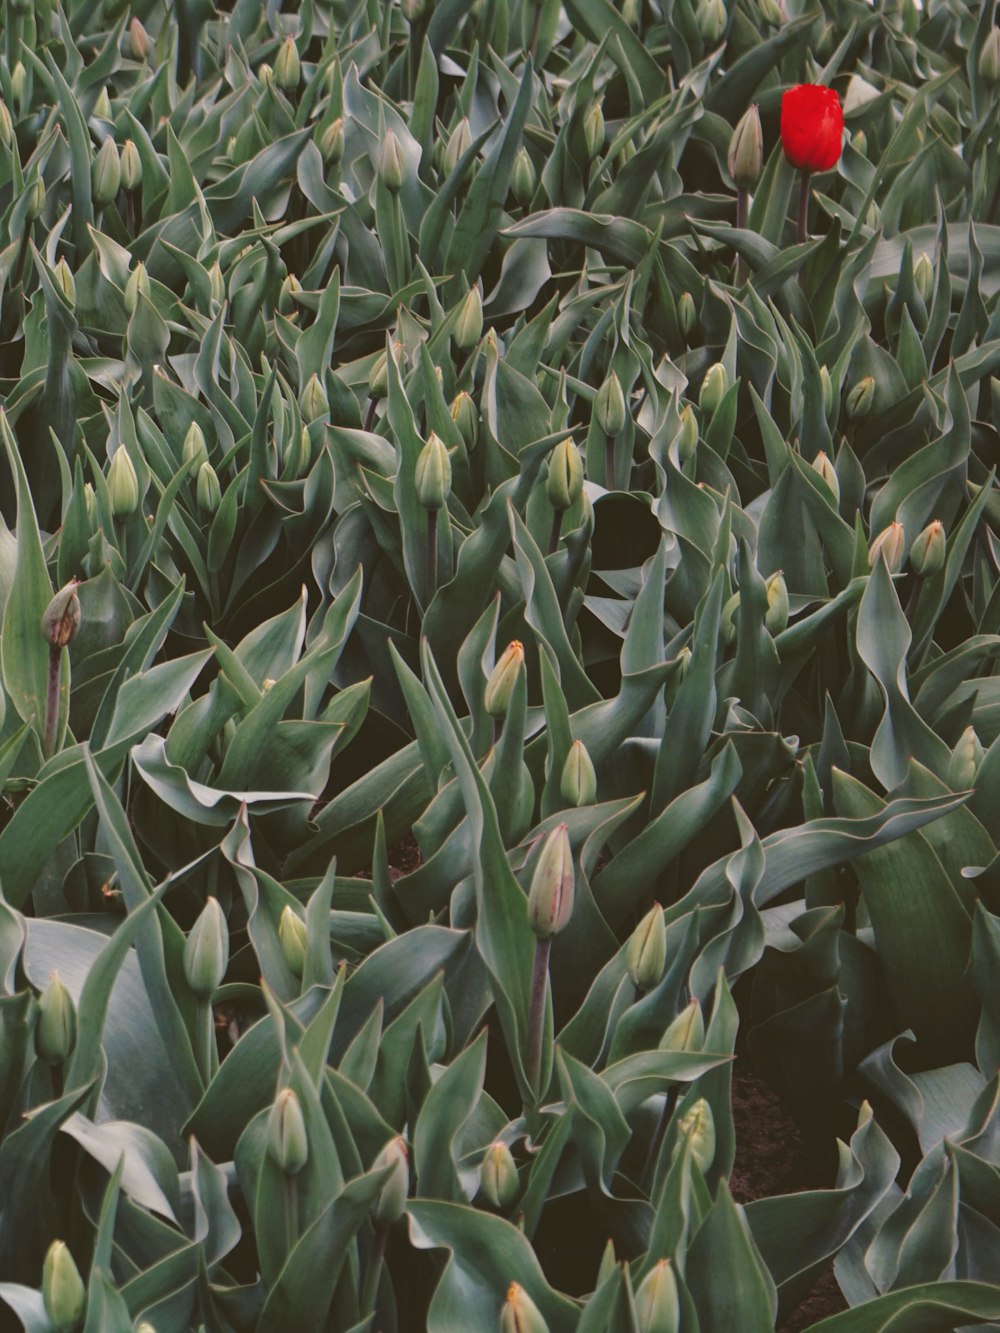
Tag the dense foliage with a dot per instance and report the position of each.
(491, 616)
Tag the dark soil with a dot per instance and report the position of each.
(772, 1157)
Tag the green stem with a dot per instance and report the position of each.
(373, 1273)
(52, 703)
(804, 190)
(557, 516)
(204, 1030)
(370, 414)
(536, 1014)
(536, 24)
(432, 553)
(609, 462)
(742, 215)
(291, 1212)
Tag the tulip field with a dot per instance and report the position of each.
(499, 666)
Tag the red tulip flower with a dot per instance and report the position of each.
(812, 127)
(812, 132)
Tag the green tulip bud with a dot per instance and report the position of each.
(966, 757)
(208, 492)
(265, 73)
(826, 386)
(989, 58)
(194, 451)
(727, 621)
(55, 1031)
(593, 129)
(7, 136)
(646, 954)
(206, 949)
(928, 550)
(632, 13)
(923, 273)
(565, 476)
(391, 164)
(503, 678)
(687, 439)
(746, 150)
(90, 500)
(217, 284)
(138, 40)
(686, 313)
(144, 1327)
(378, 376)
(469, 324)
(458, 145)
(890, 544)
(290, 287)
(102, 107)
(123, 484)
(136, 286)
(821, 464)
(61, 619)
(390, 1203)
(63, 1293)
(553, 885)
(19, 85)
(776, 616)
(520, 1314)
(288, 66)
(860, 399)
(770, 12)
(657, 1305)
(413, 10)
(713, 388)
(524, 178)
(696, 1128)
(314, 402)
(35, 199)
(466, 418)
(910, 14)
(433, 473)
(711, 19)
(287, 1140)
(294, 940)
(578, 780)
(498, 1179)
(131, 164)
(859, 142)
(63, 275)
(106, 174)
(331, 142)
(609, 406)
(686, 1032)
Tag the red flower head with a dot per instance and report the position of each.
(812, 127)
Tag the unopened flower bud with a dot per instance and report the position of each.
(713, 388)
(67, 283)
(965, 759)
(433, 473)
(208, 492)
(466, 418)
(923, 273)
(890, 544)
(687, 439)
(206, 950)
(19, 85)
(520, 1314)
(686, 1032)
(469, 324)
(106, 174)
(288, 66)
(859, 142)
(314, 402)
(123, 484)
(746, 150)
(632, 13)
(391, 165)
(711, 18)
(102, 107)
(331, 143)
(194, 451)
(989, 58)
(593, 129)
(609, 406)
(35, 199)
(131, 164)
(565, 476)
(61, 619)
(928, 550)
(503, 678)
(265, 73)
(390, 1203)
(911, 14)
(498, 1180)
(378, 376)
(524, 178)
(217, 283)
(657, 1305)
(136, 286)
(826, 386)
(553, 885)
(6, 125)
(822, 464)
(290, 287)
(686, 313)
(413, 10)
(646, 953)
(770, 12)
(727, 621)
(63, 1293)
(696, 1128)
(458, 145)
(294, 940)
(776, 616)
(578, 781)
(860, 399)
(287, 1141)
(138, 40)
(55, 1031)
(90, 500)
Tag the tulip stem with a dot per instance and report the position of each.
(555, 532)
(432, 553)
(805, 182)
(204, 1043)
(742, 215)
(370, 414)
(52, 702)
(536, 1013)
(373, 1273)
(291, 1212)
(609, 462)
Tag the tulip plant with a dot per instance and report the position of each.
(499, 625)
